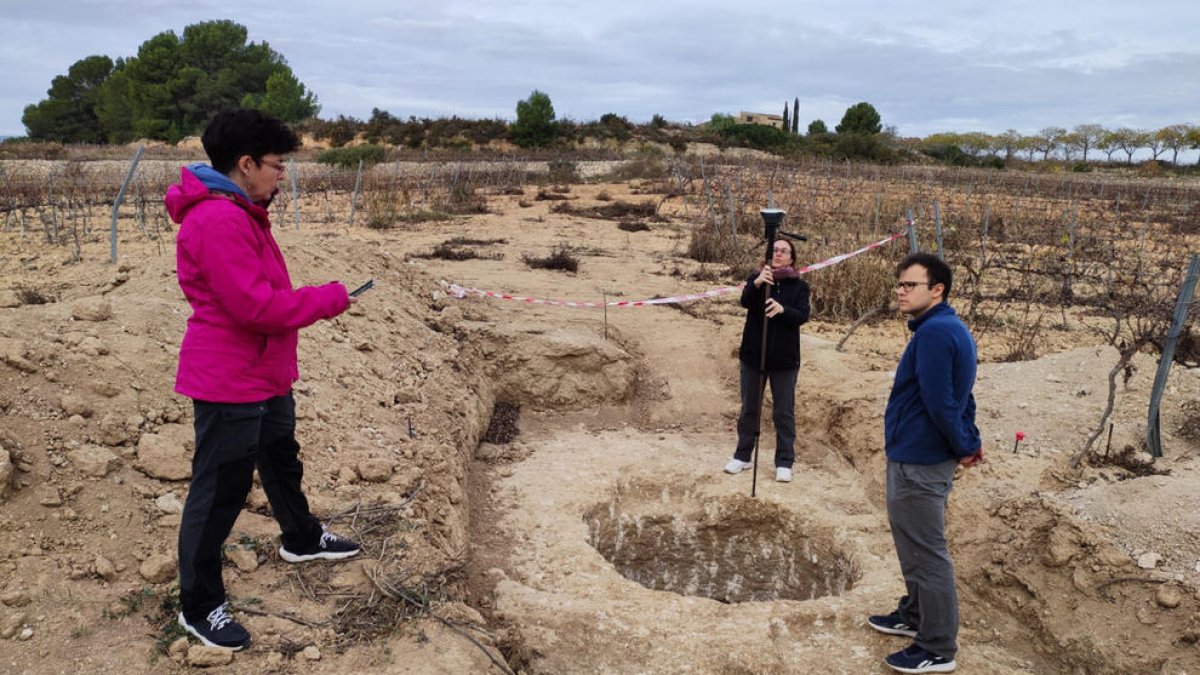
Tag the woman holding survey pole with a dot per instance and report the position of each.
(785, 310)
(237, 361)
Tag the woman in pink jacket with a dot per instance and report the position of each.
(238, 362)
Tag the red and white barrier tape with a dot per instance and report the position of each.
(463, 291)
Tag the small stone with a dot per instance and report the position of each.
(158, 569)
(203, 656)
(49, 496)
(274, 659)
(94, 461)
(376, 470)
(1168, 597)
(10, 624)
(104, 568)
(6, 472)
(161, 456)
(1148, 561)
(169, 504)
(16, 598)
(245, 559)
(92, 309)
(312, 653)
(25, 634)
(76, 404)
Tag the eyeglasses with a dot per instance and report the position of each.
(908, 286)
(279, 168)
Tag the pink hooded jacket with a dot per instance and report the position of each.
(240, 344)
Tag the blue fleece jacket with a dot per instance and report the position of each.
(930, 415)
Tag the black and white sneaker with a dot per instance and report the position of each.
(892, 625)
(914, 659)
(328, 547)
(218, 629)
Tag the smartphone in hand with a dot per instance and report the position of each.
(362, 289)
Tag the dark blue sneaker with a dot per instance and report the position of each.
(218, 629)
(914, 659)
(892, 625)
(328, 547)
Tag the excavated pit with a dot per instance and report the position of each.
(730, 549)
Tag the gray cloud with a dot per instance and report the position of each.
(937, 66)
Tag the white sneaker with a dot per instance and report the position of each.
(783, 475)
(736, 466)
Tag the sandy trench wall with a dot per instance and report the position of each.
(1066, 582)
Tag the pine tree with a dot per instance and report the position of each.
(787, 125)
(796, 116)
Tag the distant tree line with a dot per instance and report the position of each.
(1080, 145)
(169, 90)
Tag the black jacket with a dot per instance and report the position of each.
(783, 331)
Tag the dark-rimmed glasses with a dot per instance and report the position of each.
(279, 168)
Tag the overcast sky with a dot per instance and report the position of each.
(938, 65)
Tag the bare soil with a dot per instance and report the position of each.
(603, 537)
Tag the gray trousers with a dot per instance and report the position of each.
(916, 504)
(783, 393)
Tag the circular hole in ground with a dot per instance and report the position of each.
(731, 549)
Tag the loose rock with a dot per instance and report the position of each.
(158, 569)
(169, 504)
(104, 568)
(246, 559)
(94, 461)
(6, 472)
(376, 470)
(92, 309)
(1168, 597)
(203, 656)
(161, 457)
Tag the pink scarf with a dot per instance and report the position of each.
(781, 273)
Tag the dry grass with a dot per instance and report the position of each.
(561, 258)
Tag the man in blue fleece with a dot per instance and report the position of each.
(929, 430)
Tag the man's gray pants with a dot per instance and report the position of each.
(916, 503)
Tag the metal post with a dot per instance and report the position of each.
(1153, 438)
(354, 197)
(912, 232)
(295, 195)
(112, 236)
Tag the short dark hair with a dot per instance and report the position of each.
(244, 131)
(939, 271)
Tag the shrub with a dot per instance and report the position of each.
(348, 157)
(708, 246)
(560, 258)
(757, 136)
(32, 296)
(847, 291)
(448, 251)
(382, 210)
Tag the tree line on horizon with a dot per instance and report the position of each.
(174, 84)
